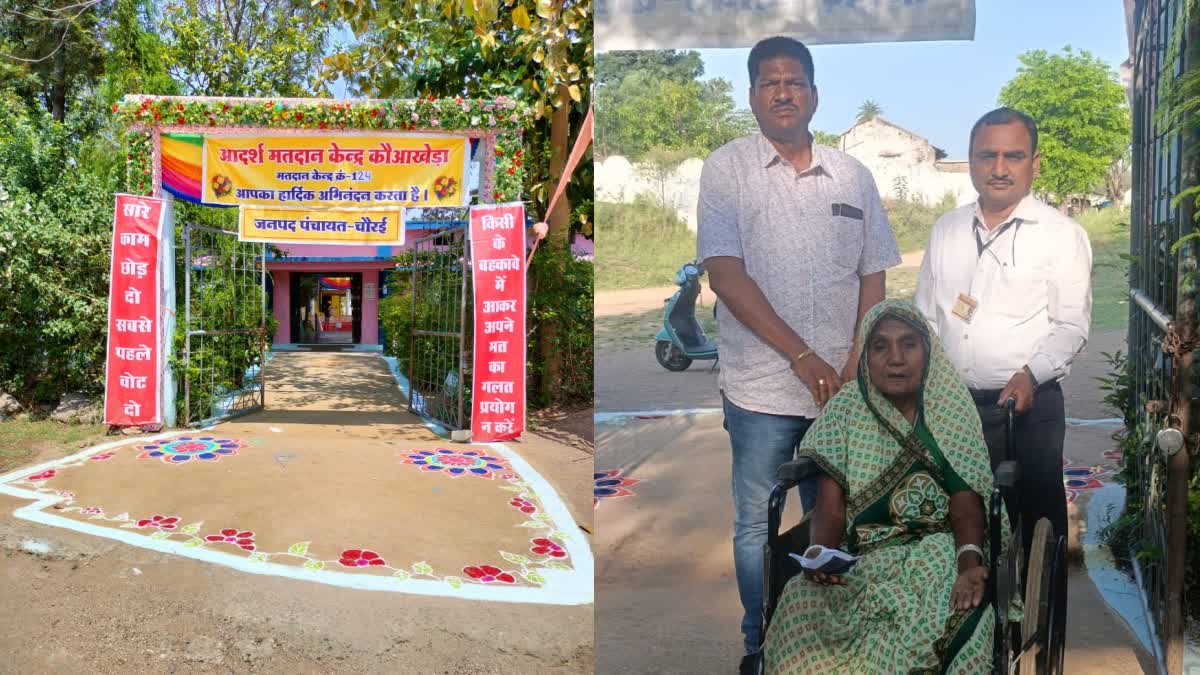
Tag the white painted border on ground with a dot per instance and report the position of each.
(562, 587)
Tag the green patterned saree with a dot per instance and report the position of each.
(893, 616)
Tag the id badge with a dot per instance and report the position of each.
(964, 307)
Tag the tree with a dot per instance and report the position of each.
(244, 47)
(826, 138)
(677, 115)
(50, 53)
(1118, 178)
(536, 50)
(869, 110)
(658, 166)
(677, 66)
(1082, 117)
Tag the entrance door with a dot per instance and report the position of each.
(326, 307)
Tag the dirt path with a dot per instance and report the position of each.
(77, 603)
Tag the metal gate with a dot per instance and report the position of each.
(438, 370)
(1161, 330)
(225, 325)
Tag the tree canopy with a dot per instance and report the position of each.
(1082, 116)
(656, 100)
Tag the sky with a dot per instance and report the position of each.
(939, 89)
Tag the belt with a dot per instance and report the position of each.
(992, 396)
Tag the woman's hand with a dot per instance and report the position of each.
(825, 579)
(968, 588)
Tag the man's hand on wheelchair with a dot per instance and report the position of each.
(1020, 387)
(968, 588)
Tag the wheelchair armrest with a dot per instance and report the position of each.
(1006, 475)
(797, 470)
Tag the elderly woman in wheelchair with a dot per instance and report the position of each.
(904, 472)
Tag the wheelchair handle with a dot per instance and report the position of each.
(1010, 405)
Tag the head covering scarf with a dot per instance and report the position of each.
(860, 433)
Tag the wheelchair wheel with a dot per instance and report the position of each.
(1039, 581)
(1056, 640)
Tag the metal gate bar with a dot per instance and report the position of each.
(439, 374)
(224, 354)
(1162, 312)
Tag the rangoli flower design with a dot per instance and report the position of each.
(488, 574)
(159, 522)
(523, 505)
(244, 540)
(360, 558)
(1077, 478)
(470, 462)
(611, 485)
(102, 456)
(188, 448)
(48, 473)
(92, 510)
(542, 546)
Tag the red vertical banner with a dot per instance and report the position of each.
(131, 387)
(498, 276)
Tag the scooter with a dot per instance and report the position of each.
(681, 339)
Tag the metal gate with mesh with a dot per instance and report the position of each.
(224, 334)
(1161, 330)
(438, 369)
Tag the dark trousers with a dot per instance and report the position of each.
(1038, 447)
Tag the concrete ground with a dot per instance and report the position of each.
(666, 596)
(324, 462)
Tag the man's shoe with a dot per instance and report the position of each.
(749, 665)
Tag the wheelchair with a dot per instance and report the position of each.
(1035, 644)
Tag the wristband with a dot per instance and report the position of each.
(806, 352)
(969, 547)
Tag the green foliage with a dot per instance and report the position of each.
(652, 103)
(55, 232)
(58, 53)
(1083, 120)
(869, 110)
(561, 296)
(640, 245)
(912, 220)
(244, 47)
(826, 138)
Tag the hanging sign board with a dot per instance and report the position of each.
(134, 355)
(323, 170)
(701, 24)
(498, 274)
(347, 226)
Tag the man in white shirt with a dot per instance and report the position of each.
(1006, 283)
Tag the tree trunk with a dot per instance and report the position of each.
(58, 87)
(557, 239)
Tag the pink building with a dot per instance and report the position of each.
(324, 294)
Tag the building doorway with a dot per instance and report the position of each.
(326, 308)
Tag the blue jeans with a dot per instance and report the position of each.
(761, 443)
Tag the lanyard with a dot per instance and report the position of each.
(981, 247)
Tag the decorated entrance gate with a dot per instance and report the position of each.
(263, 159)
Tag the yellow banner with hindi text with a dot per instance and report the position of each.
(325, 170)
(349, 226)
